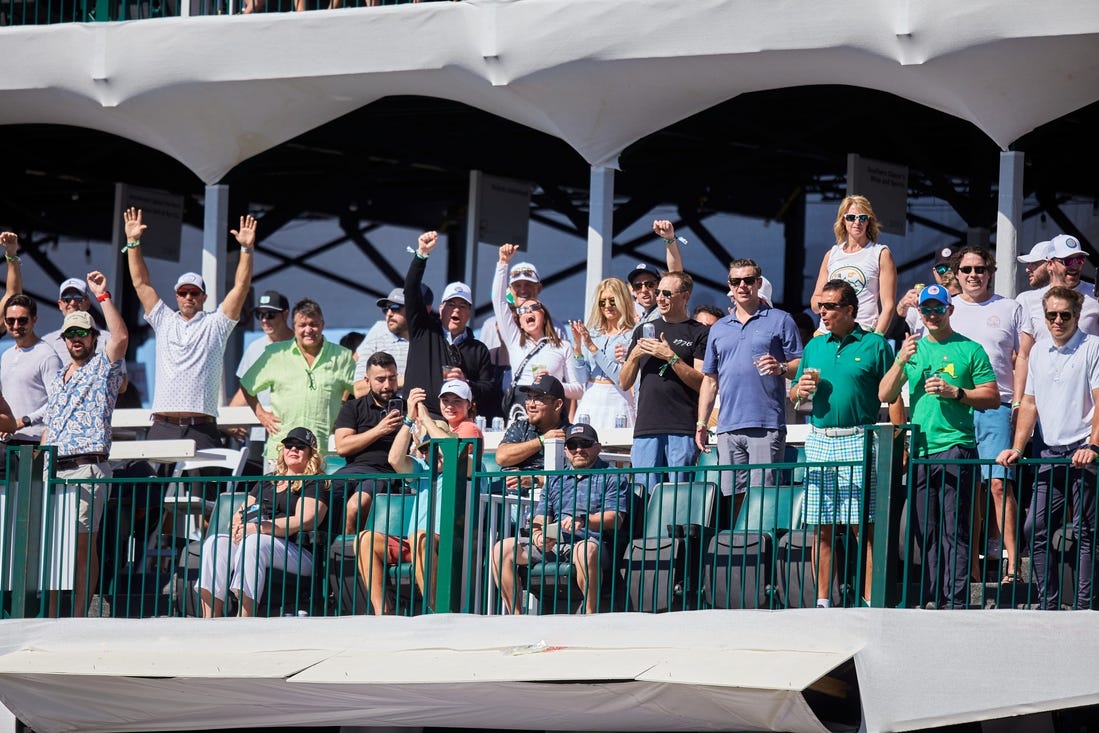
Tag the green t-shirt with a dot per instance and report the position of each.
(850, 371)
(945, 423)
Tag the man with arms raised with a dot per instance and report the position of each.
(190, 343)
(1061, 392)
(78, 423)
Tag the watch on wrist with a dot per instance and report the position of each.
(1094, 448)
(961, 393)
(25, 420)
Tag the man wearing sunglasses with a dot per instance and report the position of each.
(749, 354)
(27, 370)
(942, 271)
(271, 312)
(644, 279)
(581, 518)
(523, 446)
(71, 297)
(13, 284)
(190, 343)
(390, 335)
(1061, 393)
(949, 376)
(78, 422)
(668, 373)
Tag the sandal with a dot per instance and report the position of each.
(1011, 579)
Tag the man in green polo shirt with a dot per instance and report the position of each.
(849, 362)
(308, 378)
(949, 376)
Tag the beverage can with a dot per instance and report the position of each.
(480, 422)
(620, 421)
(648, 330)
(497, 424)
(584, 418)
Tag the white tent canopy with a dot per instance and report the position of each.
(214, 91)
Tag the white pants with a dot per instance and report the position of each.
(248, 562)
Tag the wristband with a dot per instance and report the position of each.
(12, 258)
(131, 245)
(247, 249)
(1015, 404)
(1015, 450)
(700, 424)
(106, 296)
(541, 440)
(408, 423)
(670, 363)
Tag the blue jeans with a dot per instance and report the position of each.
(650, 451)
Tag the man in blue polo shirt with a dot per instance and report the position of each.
(748, 356)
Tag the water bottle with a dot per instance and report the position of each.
(583, 418)
(620, 420)
(479, 421)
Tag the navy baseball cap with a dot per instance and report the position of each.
(582, 431)
(545, 384)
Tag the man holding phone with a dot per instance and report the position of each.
(365, 430)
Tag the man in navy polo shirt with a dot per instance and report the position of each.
(748, 356)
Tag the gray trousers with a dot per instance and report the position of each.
(751, 446)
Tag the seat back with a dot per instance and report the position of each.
(389, 513)
(679, 503)
(221, 518)
(771, 509)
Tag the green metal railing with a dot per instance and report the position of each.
(45, 12)
(678, 546)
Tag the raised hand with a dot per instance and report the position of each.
(131, 219)
(10, 241)
(507, 251)
(427, 242)
(664, 229)
(97, 283)
(246, 235)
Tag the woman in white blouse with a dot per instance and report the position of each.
(610, 323)
(531, 339)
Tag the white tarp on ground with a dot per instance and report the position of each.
(706, 670)
(214, 91)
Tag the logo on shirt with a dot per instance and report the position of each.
(851, 275)
(683, 342)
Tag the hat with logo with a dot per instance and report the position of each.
(457, 387)
(1064, 245)
(524, 272)
(273, 300)
(942, 257)
(191, 278)
(1038, 253)
(457, 290)
(545, 384)
(73, 283)
(642, 268)
(301, 435)
(582, 431)
(936, 293)
(78, 319)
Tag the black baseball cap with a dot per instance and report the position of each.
(582, 431)
(272, 300)
(545, 384)
(301, 435)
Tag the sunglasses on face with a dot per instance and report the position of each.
(937, 310)
(579, 444)
(1074, 261)
(668, 293)
(188, 293)
(76, 333)
(72, 298)
(19, 320)
(608, 303)
(977, 269)
(942, 269)
(1052, 316)
(856, 217)
(267, 315)
(734, 282)
(532, 308)
(644, 285)
(295, 446)
(831, 306)
(539, 397)
(393, 307)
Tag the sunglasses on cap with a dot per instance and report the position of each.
(942, 269)
(295, 445)
(266, 315)
(977, 269)
(530, 308)
(644, 285)
(73, 298)
(608, 303)
(523, 272)
(18, 320)
(735, 282)
(1052, 316)
(856, 217)
(188, 293)
(937, 309)
(76, 333)
(579, 444)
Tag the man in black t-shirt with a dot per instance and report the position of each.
(364, 431)
(668, 369)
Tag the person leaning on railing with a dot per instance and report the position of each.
(1061, 393)
(949, 376)
(839, 372)
(268, 530)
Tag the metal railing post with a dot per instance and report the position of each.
(452, 534)
(24, 524)
(889, 498)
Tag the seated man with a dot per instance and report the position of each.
(521, 448)
(578, 518)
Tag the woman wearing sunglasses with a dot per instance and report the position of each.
(268, 531)
(610, 323)
(859, 260)
(533, 345)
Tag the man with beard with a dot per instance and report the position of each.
(523, 446)
(389, 335)
(307, 377)
(444, 340)
(78, 423)
(73, 296)
(365, 429)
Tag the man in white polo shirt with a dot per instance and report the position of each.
(1061, 393)
(190, 343)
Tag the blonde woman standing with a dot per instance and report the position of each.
(610, 323)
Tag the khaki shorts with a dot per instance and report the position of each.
(91, 498)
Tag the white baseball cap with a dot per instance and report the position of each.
(191, 278)
(524, 271)
(1064, 245)
(73, 283)
(1038, 253)
(457, 290)
(458, 387)
(766, 290)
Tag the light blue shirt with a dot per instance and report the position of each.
(78, 412)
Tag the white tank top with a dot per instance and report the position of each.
(860, 269)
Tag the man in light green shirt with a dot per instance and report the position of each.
(308, 378)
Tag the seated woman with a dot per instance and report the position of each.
(611, 323)
(376, 550)
(531, 338)
(267, 531)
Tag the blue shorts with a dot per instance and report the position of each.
(993, 431)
